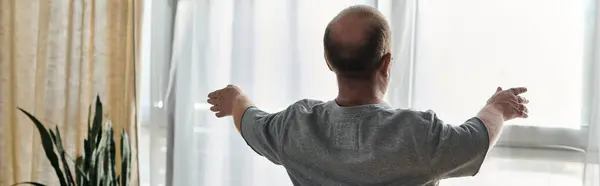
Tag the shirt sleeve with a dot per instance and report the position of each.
(456, 151)
(263, 132)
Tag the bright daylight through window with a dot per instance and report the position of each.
(465, 48)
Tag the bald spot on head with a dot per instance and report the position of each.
(355, 41)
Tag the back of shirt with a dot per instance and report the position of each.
(321, 143)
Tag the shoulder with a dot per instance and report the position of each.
(305, 105)
(429, 117)
(415, 117)
(308, 103)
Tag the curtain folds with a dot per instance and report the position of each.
(56, 56)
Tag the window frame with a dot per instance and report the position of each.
(155, 126)
(401, 90)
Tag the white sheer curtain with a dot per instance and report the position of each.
(465, 48)
(272, 49)
(449, 56)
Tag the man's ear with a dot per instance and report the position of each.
(386, 65)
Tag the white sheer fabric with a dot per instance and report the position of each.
(466, 48)
(272, 49)
(448, 56)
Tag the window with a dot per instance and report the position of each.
(465, 48)
(152, 130)
(540, 44)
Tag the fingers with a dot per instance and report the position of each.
(212, 101)
(220, 114)
(521, 99)
(525, 112)
(213, 94)
(498, 89)
(520, 110)
(518, 90)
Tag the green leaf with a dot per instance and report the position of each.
(106, 158)
(30, 183)
(125, 159)
(89, 130)
(87, 150)
(87, 161)
(87, 143)
(48, 147)
(81, 175)
(93, 143)
(111, 155)
(61, 151)
(98, 157)
(97, 123)
(97, 171)
(89, 119)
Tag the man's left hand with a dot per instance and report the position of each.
(223, 100)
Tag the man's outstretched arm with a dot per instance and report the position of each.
(230, 101)
(262, 131)
(456, 151)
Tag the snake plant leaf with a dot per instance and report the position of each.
(96, 166)
(97, 123)
(48, 147)
(96, 170)
(88, 120)
(86, 163)
(61, 151)
(98, 158)
(93, 142)
(125, 159)
(87, 153)
(106, 155)
(80, 175)
(87, 146)
(88, 150)
(30, 183)
(111, 156)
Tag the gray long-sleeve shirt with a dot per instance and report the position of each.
(321, 143)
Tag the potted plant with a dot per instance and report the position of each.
(97, 165)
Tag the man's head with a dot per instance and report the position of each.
(358, 43)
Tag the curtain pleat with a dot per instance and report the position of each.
(55, 57)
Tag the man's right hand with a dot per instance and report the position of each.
(504, 105)
(510, 103)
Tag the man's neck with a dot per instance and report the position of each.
(359, 93)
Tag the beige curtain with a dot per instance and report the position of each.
(56, 56)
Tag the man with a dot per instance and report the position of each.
(357, 139)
